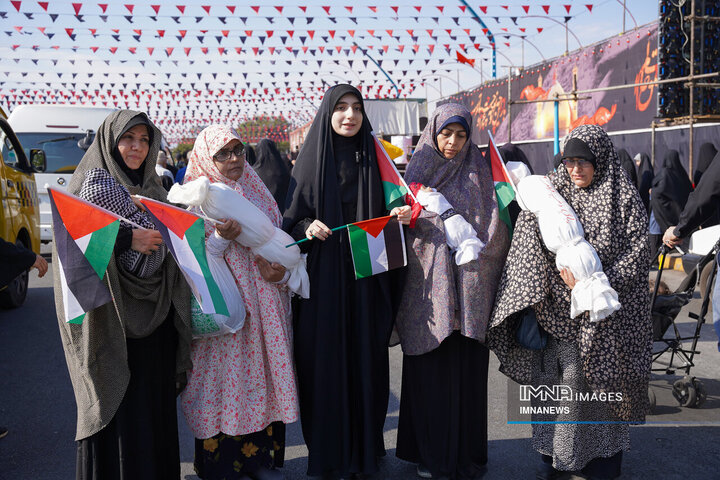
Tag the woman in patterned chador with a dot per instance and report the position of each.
(446, 303)
(607, 361)
(241, 390)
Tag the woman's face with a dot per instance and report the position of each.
(451, 139)
(234, 166)
(347, 116)
(580, 170)
(134, 146)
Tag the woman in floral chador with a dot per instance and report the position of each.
(241, 391)
(609, 357)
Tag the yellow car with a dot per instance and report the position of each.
(20, 212)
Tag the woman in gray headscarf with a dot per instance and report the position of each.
(128, 358)
(607, 361)
(445, 308)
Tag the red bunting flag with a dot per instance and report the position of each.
(589, 7)
(206, 8)
(16, 4)
(463, 59)
(526, 8)
(156, 8)
(181, 8)
(130, 8)
(547, 9)
(77, 7)
(567, 8)
(44, 5)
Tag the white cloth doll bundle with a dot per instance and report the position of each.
(563, 235)
(258, 233)
(460, 235)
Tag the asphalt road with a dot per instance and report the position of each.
(37, 406)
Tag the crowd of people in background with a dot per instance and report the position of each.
(324, 360)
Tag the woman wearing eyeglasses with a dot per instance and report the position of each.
(599, 369)
(241, 390)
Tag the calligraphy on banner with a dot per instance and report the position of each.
(608, 63)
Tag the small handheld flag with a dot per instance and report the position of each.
(84, 237)
(394, 186)
(377, 245)
(504, 188)
(184, 234)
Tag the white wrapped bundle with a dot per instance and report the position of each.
(258, 233)
(563, 235)
(461, 237)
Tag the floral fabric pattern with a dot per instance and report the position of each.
(243, 382)
(233, 457)
(615, 353)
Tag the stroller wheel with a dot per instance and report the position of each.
(651, 399)
(684, 392)
(700, 392)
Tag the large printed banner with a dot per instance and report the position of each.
(622, 60)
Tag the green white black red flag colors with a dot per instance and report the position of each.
(393, 184)
(377, 245)
(84, 240)
(184, 234)
(504, 188)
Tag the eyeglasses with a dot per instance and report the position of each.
(571, 163)
(224, 155)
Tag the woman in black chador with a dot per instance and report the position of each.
(272, 170)
(342, 330)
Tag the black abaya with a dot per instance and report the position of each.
(439, 389)
(670, 190)
(342, 331)
(627, 164)
(272, 170)
(141, 441)
(705, 158)
(646, 173)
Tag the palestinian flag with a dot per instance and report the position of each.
(377, 245)
(504, 189)
(84, 237)
(393, 184)
(184, 234)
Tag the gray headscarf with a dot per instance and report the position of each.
(96, 351)
(440, 296)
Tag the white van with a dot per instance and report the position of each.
(63, 132)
